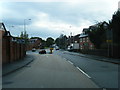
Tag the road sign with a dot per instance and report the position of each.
(109, 41)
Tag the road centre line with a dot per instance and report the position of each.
(83, 72)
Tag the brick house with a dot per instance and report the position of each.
(73, 39)
(85, 43)
(35, 43)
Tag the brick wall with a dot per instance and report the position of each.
(11, 51)
(0, 48)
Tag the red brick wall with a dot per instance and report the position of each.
(11, 51)
(5, 50)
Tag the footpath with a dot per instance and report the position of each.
(14, 66)
(94, 57)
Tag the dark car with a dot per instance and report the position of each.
(33, 50)
(42, 52)
(57, 48)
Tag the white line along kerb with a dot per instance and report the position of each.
(70, 62)
(83, 72)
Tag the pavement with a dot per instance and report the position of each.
(94, 57)
(11, 67)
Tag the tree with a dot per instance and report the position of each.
(61, 41)
(49, 41)
(21, 35)
(97, 34)
(24, 36)
(57, 41)
(36, 38)
(115, 26)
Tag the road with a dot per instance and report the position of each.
(104, 74)
(48, 71)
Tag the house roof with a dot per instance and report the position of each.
(2, 26)
(83, 35)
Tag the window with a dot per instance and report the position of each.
(80, 39)
(87, 39)
(83, 39)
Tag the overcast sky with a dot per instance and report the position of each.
(50, 19)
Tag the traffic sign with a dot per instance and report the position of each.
(109, 41)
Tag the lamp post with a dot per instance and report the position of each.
(10, 27)
(25, 30)
(25, 24)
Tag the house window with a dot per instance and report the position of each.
(91, 46)
(80, 39)
(87, 39)
(83, 39)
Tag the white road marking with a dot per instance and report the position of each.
(83, 72)
(65, 59)
(70, 62)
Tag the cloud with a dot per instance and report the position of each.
(52, 18)
(55, 25)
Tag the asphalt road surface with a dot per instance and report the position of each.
(48, 71)
(104, 74)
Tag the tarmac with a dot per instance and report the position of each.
(11, 67)
(95, 57)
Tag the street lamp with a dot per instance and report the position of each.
(25, 29)
(25, 24)
(11, 27)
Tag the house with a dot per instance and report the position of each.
(35, 43)
(73, 42)
(73, 39)
(85, 43)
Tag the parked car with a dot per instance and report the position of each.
(42, 52)
(33, 50)
(57, 48)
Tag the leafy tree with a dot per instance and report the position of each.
(115, 26)
(61, 41)
(97, 34)
(57, 41)
(21, 35)
(24, 36)
(36, 38)
(49, 41)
